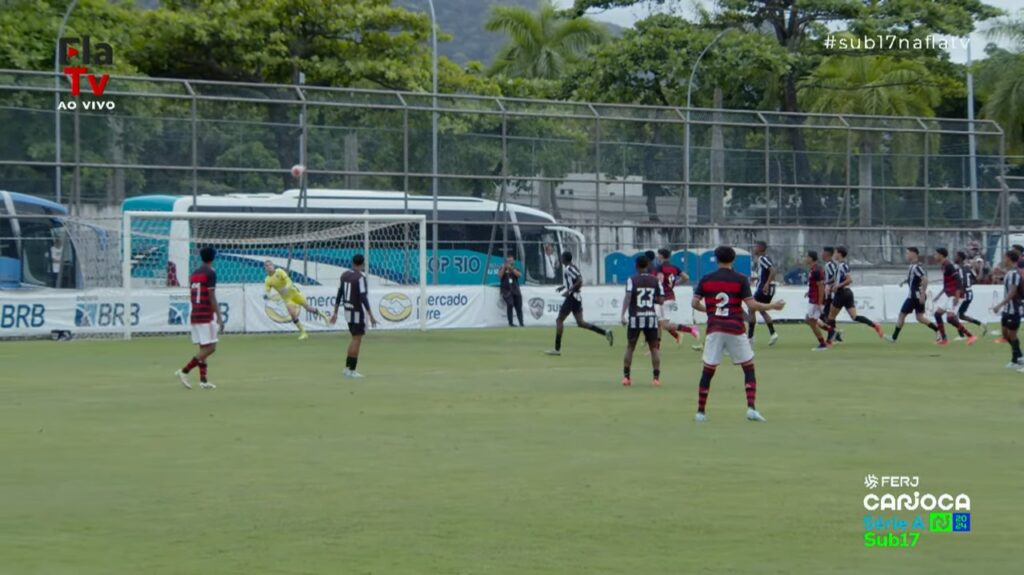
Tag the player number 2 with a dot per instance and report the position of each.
(722, 304)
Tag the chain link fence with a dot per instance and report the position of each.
(628, 177)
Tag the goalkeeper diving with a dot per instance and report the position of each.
(277, 279)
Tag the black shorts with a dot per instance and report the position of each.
(651, 334)
(1010, 321)
(843, 299)
(912, 305)
(570, 305)
(965, 303)
(762, 297)
(357, 328)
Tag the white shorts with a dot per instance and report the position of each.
(738, 347)
(204, 333)
(814, 311)
(945, 302)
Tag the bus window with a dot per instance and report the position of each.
(36, 240)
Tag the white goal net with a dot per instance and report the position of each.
(160, 250)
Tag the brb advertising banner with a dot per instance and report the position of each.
(104, 311)
(38, 313)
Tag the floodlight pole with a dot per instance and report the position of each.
(971, 143)
(689, 102)
(433, 138)
(56, 97)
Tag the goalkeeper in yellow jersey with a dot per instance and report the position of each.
(277, 279)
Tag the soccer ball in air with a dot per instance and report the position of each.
(298, 170)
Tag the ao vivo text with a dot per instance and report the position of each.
(89, 53)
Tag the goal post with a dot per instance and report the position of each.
(159, 250)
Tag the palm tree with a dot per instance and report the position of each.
(1004, 82)
(542, 44)
(877, 86)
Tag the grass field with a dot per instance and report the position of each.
(472, 452)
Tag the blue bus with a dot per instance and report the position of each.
(35, 251)
(469, 228)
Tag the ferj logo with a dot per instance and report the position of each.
(945, 512)
(395, 306)
(85, 53)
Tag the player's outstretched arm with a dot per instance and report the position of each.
(337, 303)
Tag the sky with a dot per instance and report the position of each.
(958, 52)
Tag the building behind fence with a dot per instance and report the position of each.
(628, 177)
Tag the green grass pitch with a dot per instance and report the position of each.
(469, 452)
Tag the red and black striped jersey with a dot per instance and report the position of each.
(670, 274)
(814, 280)
(723, 292)
(950, 279)
(201, 284)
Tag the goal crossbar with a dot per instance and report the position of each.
(369, 222)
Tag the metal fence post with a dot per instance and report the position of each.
(195, 144)
(597, 193)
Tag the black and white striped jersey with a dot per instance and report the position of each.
(353, 295)
(830, 273)
(644, 292)
(967, 278)
(1011, 282)
(764, 268)
(914, 275)
(570, 274)
(842, 272)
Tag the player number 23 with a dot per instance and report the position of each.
(722, 304)
(645, 297)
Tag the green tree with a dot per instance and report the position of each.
(1001, 83)
(874, 86)
(542, 44)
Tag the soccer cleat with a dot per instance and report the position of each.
(971, 339)
(942, 341)
(697, 347)
(700, 417)
(656, 382)
(1020, 370)
(1013, 365)
(610, 337)
(878, 330)
(626, 382)
(353, 374)
(821, 347)
(959, 338)
(839, 336)
(774, 338)
(553, 352)
(889, 339)
(695, 331)
(753, 415)
(206, 385)
(183, 378)
(303, 336)
(1000, 340)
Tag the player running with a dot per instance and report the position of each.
(842, 297)
(968, 277)
(764, 290)
(828, 254)
(572, 283)
(815, 297)
(643, 301)
(202, 295)
(670, 276)
(354, 294)
(948, 300)
(1011, 307)
(721, 295)
(917, 283)
(278, 279)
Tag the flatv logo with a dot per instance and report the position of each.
(76, 55)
